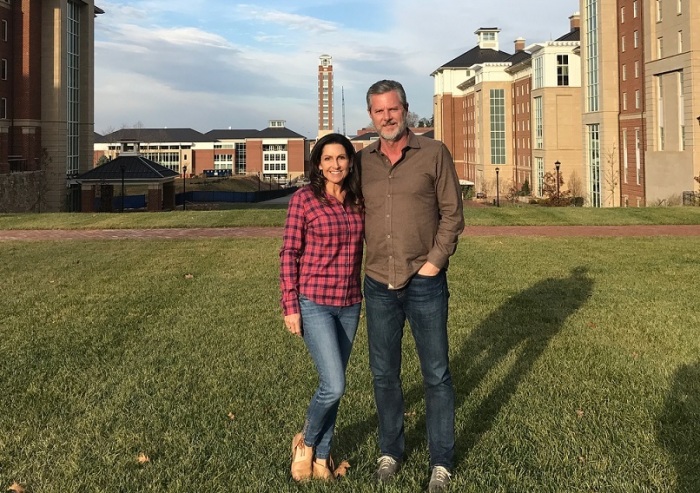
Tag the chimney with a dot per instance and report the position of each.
(575, 21)
(519, 44)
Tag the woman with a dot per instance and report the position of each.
(320, 264)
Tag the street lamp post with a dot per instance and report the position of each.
(556, 165)
(184, 187)
(123, 169)
(498, 191)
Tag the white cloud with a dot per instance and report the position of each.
(207, 64)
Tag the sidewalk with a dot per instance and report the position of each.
(261, 232)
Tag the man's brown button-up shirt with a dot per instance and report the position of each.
(413, 209)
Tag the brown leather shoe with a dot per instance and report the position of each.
(302, 457)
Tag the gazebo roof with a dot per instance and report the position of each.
(134, 168)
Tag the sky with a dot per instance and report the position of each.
(215, 64)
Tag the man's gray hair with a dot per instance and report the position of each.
(384, 86)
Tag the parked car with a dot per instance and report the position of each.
(480, 195)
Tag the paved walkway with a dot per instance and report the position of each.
(252, 232)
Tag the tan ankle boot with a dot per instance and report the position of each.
(323, 470)
(302, 457)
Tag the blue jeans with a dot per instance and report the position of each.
(424, 303)
(328, 332)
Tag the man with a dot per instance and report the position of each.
(413, 218)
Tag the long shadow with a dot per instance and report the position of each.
(523, 326)
(679, 427)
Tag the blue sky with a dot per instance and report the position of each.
(209, 64)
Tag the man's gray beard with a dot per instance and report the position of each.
(394, 135)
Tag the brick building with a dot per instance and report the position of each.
(274, 153)
(46, 100)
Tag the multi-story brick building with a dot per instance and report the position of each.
(484, 110)
(274, 153)
(631, 68)
(46, 100)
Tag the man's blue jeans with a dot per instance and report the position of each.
(424, 303)
(328, 332)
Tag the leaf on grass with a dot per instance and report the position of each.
(635, 355)
(342, 469)
(16, 487)
(591, 325)
(231, 416)
(143, 458)
(581, 459)
(189, 276)
(579, 413)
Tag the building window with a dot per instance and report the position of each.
(634, 9)
(680, 41)
(660, 47)
(660, 104)
(636, 69)
(539, 131)
(3, 109)
(592, 89)
(624, 101)
(594, 164)
(73, 87)
(679, 7)
(625, 161)
(637, 99)
(3, 69)
(681, 112)
(638, 155)
(538, 80)
(539, 170)
(659, 13)
(562, 70)
(636, 39)
(624, 72)
(622, 15)
(622, 43)
(498, 126)
(4, 30)
(240, 159)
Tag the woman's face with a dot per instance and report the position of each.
(335, 163)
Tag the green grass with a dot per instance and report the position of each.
(575, 362)
(273, 215)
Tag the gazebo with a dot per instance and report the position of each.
(128, 169)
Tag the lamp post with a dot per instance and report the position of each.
(556, 165)
(184, 187)
(123, 169)
(498, 191)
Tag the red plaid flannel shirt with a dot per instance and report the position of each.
(321, 256)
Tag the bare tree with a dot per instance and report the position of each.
(612, 174)
(575, 185)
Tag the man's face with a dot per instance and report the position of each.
(388, 115)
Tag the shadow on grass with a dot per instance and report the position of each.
(679, 427)
(519, 330)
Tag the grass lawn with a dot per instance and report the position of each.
(274, 215)
(575, 362)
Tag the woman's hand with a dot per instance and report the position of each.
(293, 323)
